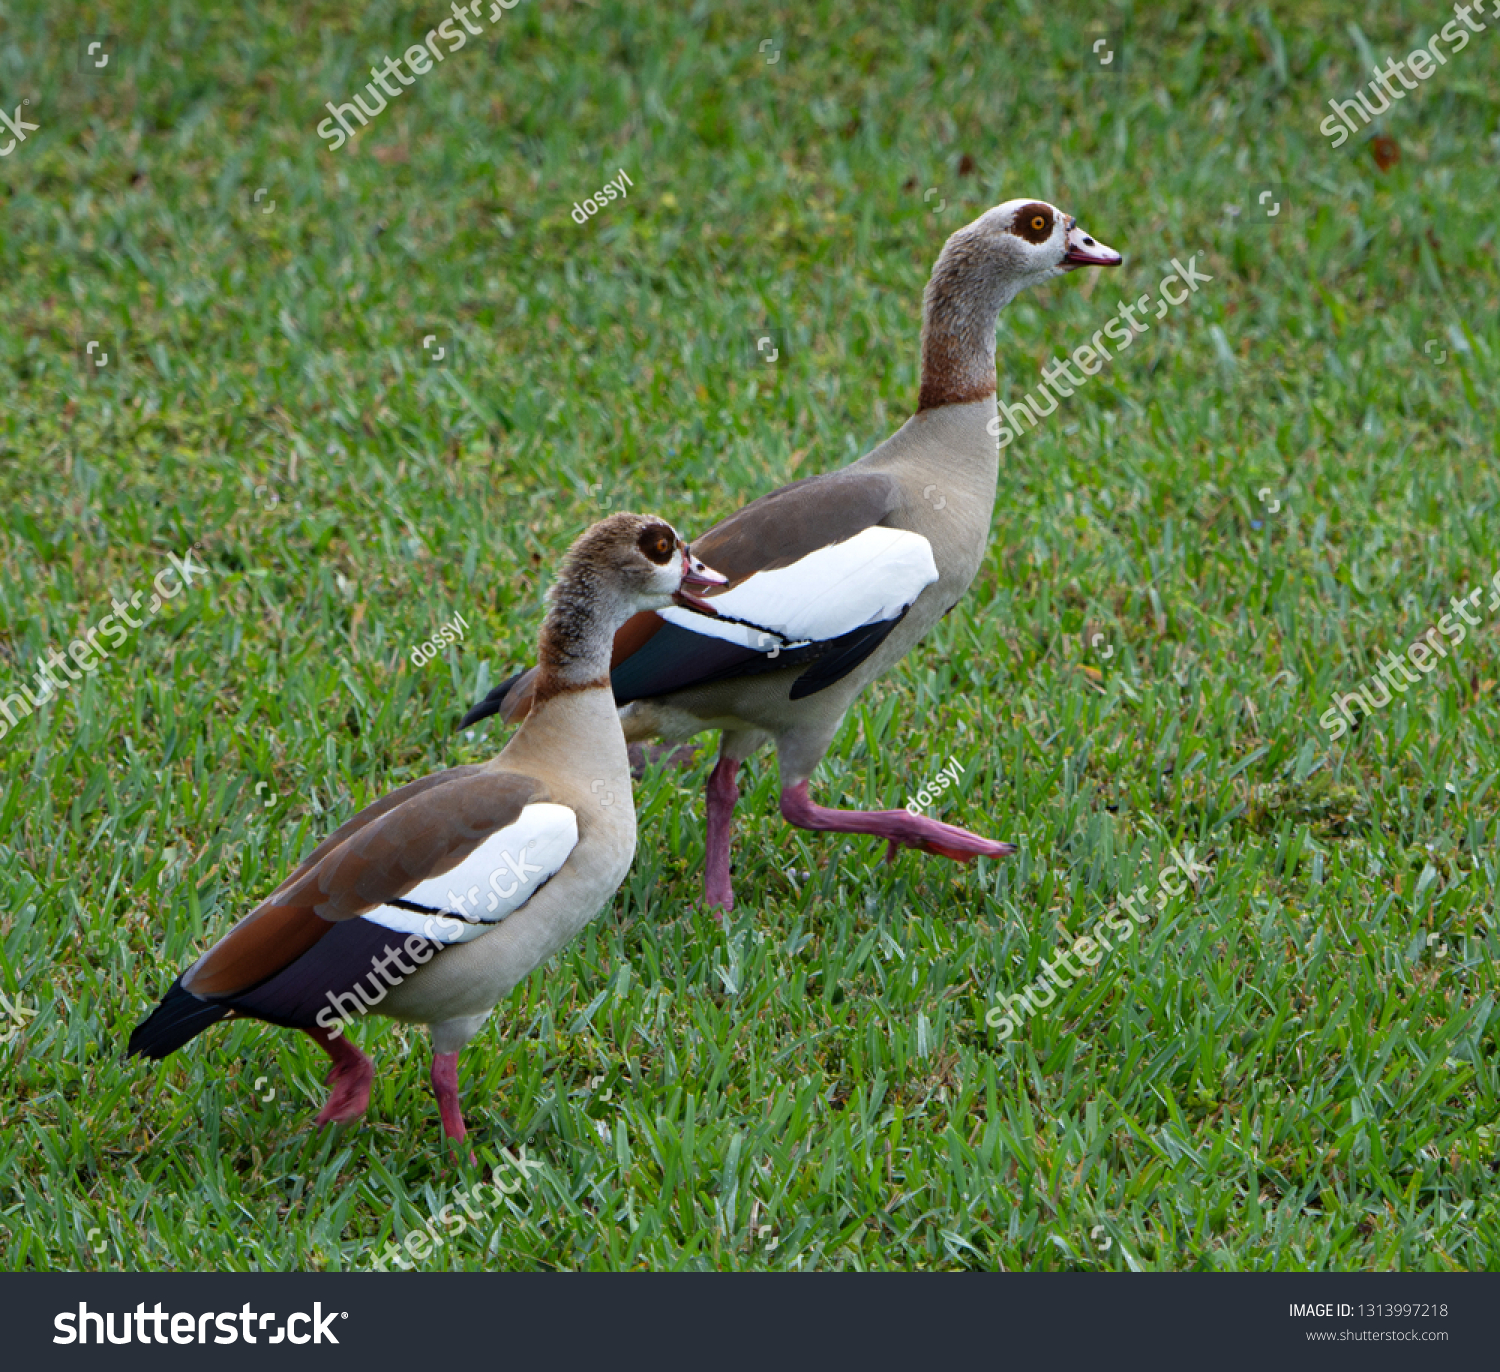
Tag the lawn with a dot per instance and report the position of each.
(1289, 476)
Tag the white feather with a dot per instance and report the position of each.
(833, 590)
(494, 881)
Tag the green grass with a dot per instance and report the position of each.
(1282, 1071)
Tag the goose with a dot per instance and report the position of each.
(834, 578)
(468, 879)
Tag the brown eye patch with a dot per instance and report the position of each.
(1033, 223)
(658, 543)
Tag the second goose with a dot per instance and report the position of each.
(834, 578)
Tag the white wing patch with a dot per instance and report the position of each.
(494, 881)
(833, 590)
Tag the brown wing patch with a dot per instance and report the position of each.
(259, 946)
(1033, 222)
(783, 527)
(423, 837)
(369, 815)
(386, 850)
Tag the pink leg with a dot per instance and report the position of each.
(718, 890)
(900, 828)
(445, 1087)
(350, 1076)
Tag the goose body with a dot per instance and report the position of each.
(834, 578)
(470, 979)
(432, 904)
(800, 706)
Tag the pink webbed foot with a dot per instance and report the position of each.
(350, 1076)
(445, 1088)
(718, 888)
(900, 828)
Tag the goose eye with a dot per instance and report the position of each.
(658, 543)
(1033, 223)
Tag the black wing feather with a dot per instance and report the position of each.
(491, 703)
(343, 958)
(180, 1016)
(843, 656)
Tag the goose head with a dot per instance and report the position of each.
(1031, 241)
(981, 269)
(633, 562)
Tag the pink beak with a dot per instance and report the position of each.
(697, 576)
(1083, 251)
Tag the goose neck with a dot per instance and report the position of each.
(960, 309)
(577, 638)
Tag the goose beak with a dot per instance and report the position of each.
(1084, 251)
(697, 576)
